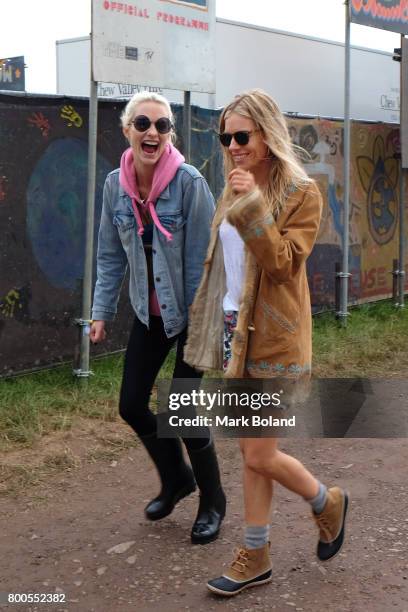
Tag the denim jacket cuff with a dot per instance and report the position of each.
(102, 315)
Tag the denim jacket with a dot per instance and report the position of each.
(185, 208)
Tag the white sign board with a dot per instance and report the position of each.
(163, 43)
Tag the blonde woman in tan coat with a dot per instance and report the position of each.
(252, 314)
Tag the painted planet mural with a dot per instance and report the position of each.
(56, 209)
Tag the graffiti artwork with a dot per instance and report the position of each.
(308, 139)
(69, 113)
(57, 232)
(379, 177)
(373, 217)
(43, 189)
(43, 207)
(39, 121)
(15, 303)
(10, 303)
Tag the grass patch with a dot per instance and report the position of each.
(373, 344)
(14, 478)
(112, 448)
(36, 404)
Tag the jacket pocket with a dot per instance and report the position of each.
(277, 317)
(274, 317)
(174, 224)
(124, 222)
(126, 228)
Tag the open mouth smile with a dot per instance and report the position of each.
(150, 147)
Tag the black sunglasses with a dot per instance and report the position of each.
(162, 125)
(241, 138)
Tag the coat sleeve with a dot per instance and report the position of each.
(279, 252)
(199, 215)
(111, 263)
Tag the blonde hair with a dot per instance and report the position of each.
(286, 171)
(129, 111)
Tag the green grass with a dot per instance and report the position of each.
(37, 404)
(373, 344)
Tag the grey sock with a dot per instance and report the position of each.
(256, 536)
(319, 502)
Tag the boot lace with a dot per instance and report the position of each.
(240, 562)
(324, 525)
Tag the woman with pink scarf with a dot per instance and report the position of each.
(156, 218)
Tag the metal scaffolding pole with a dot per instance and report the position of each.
(83, 371)
(403, 165)
(401, 256)
(344, 274)
(187, 126)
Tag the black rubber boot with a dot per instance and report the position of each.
(177, 479)
(211, 509)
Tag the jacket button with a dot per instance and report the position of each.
(158, 279)
(251, 327)
(164, 306)
(154, 251)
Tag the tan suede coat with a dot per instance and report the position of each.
(273, 336)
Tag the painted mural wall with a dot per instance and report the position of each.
(374, 205)
(43, 174)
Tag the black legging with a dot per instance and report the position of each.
(146, 352)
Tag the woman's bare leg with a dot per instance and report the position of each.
(258, 490)
(263, 463)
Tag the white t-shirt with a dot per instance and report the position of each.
(234, 260)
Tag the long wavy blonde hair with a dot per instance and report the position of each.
(286, 171)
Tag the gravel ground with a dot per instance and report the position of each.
(82, 533)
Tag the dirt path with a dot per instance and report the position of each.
(57, 536)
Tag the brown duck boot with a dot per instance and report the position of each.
(331, 523)
(250, 567)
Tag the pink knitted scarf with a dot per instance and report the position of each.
(164, 172)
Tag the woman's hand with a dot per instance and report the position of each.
(97, 332)
(241, 181)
